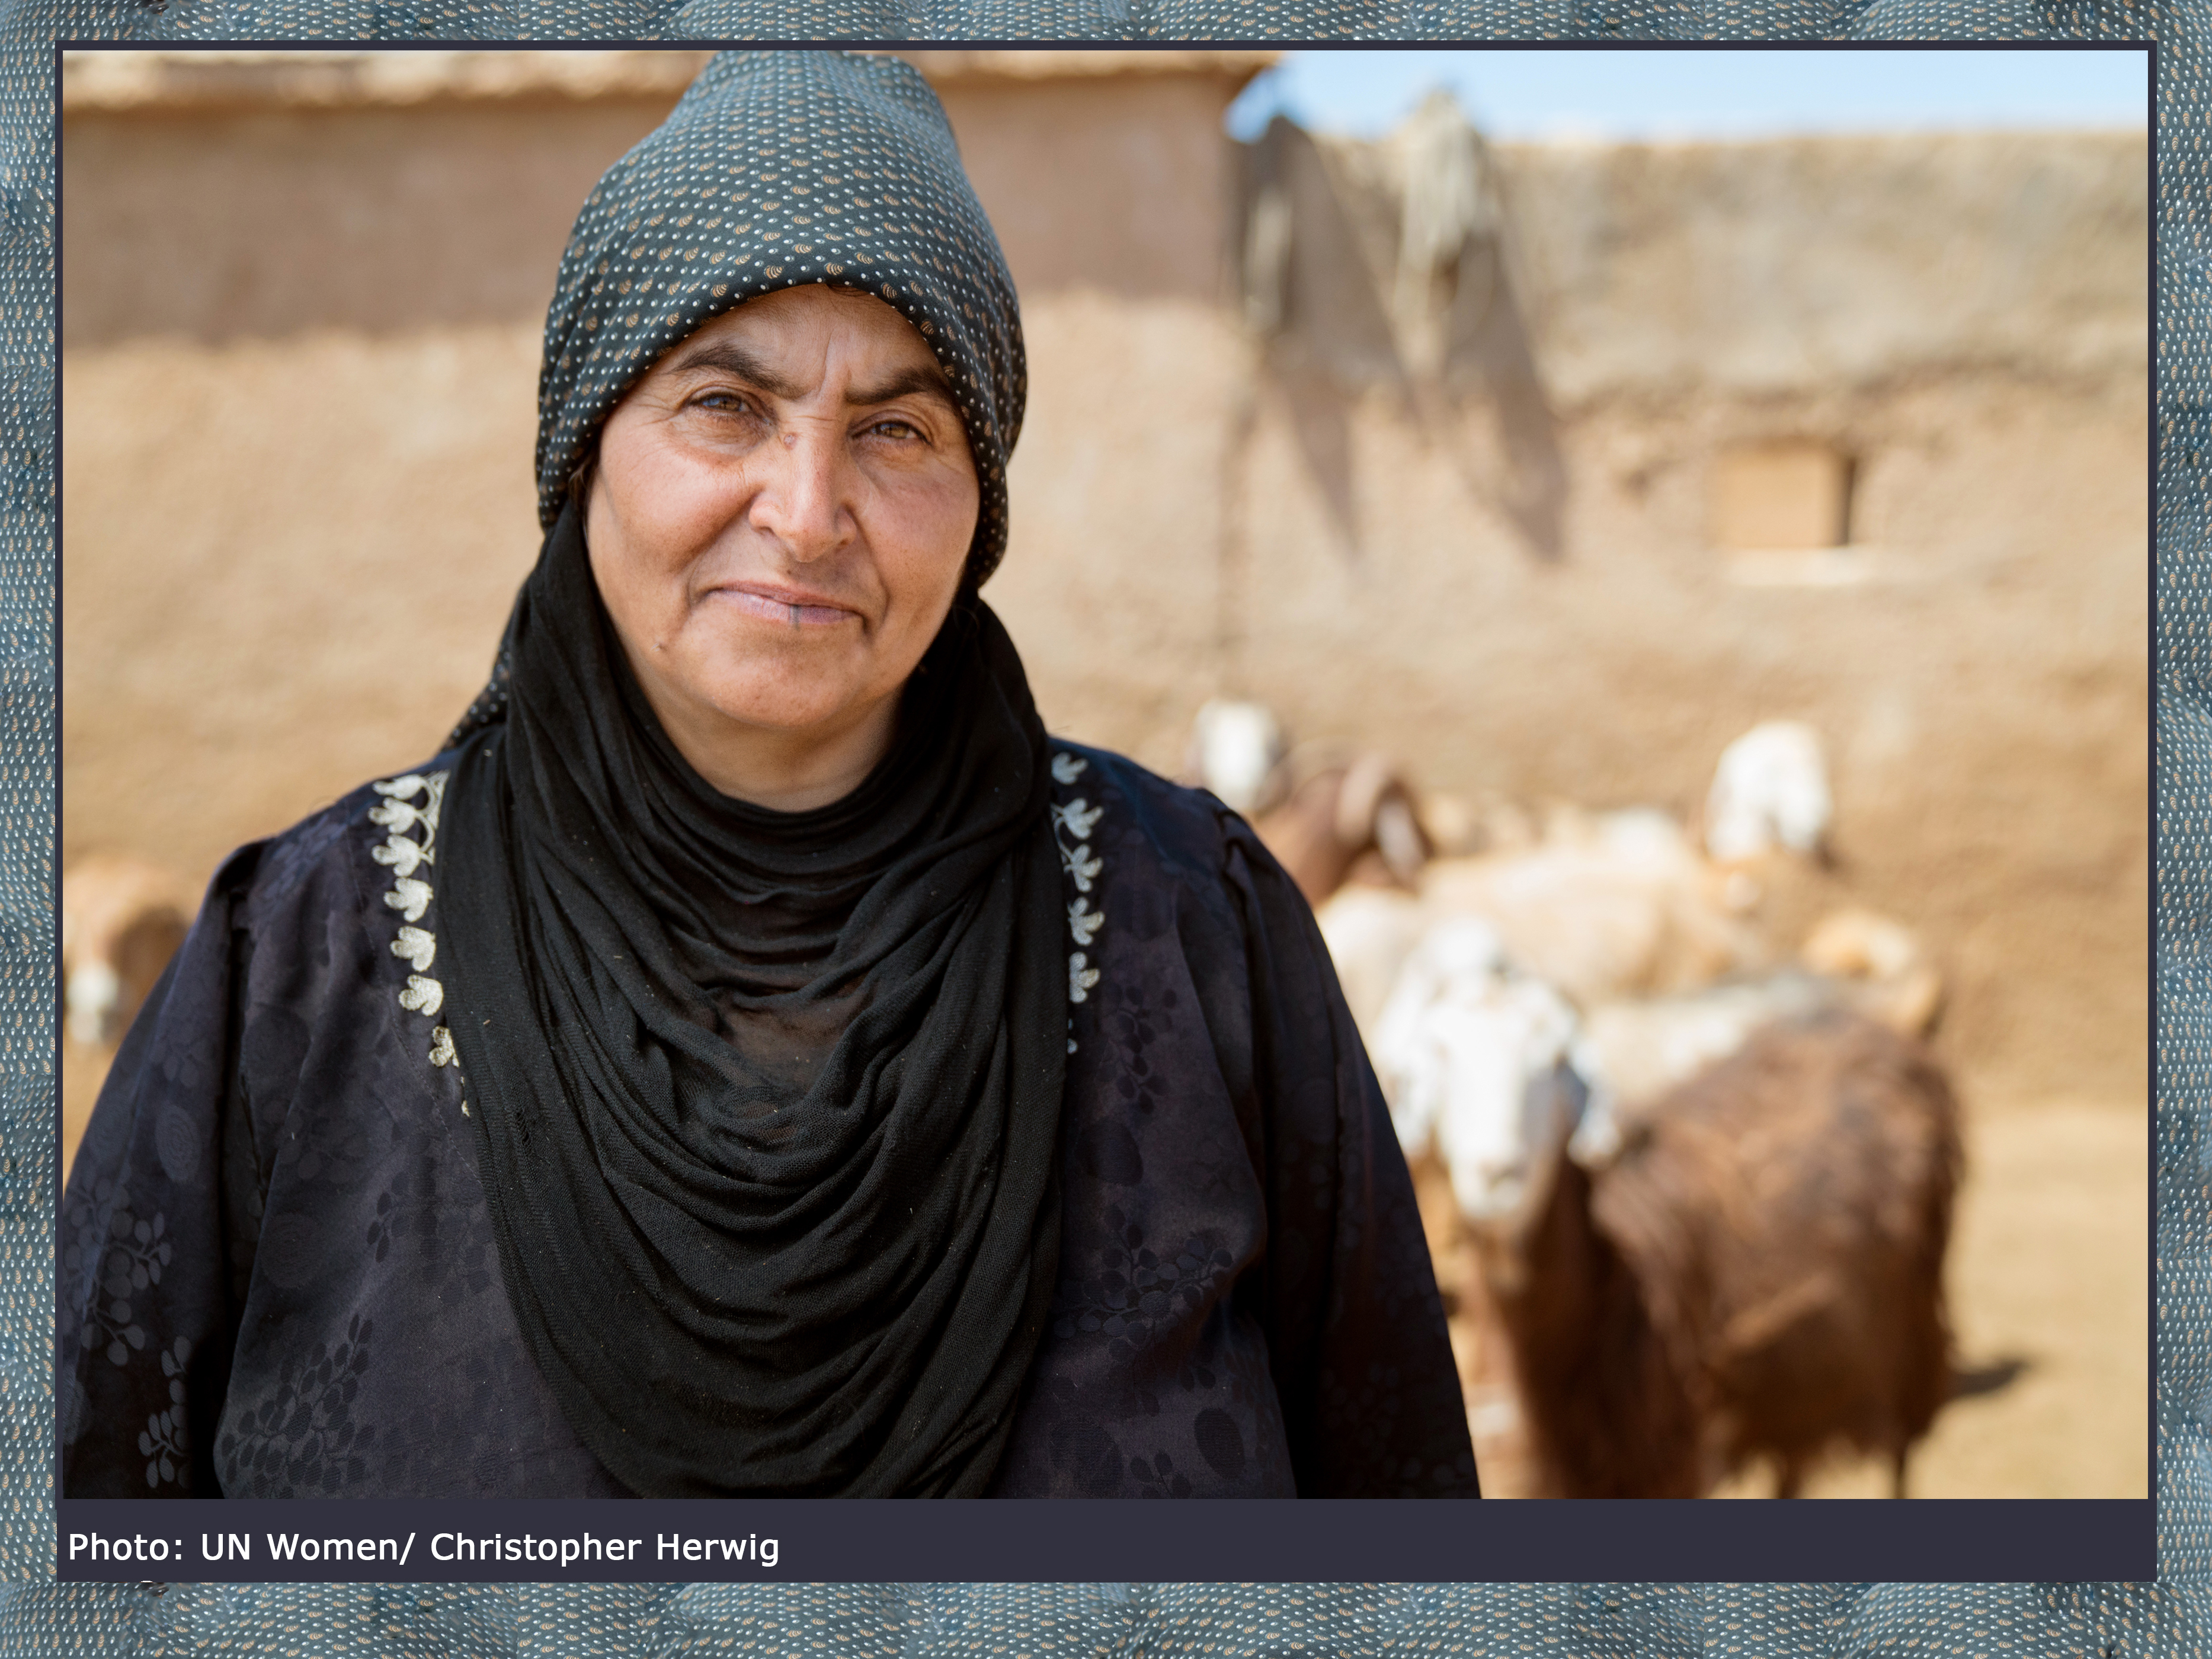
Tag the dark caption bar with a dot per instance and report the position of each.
(476, 1540)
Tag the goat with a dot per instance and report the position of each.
(1757, 1272)
(1898, 984)
(1854, 960)
(1609, 905)
(1236, 750)
(1604, 907)
(1369, 931)
(1320, 810)
(1465, 1049)
(1752, 1265)
(1342, 815)
(1642, 1046)
(122, 919)
(1769, 792)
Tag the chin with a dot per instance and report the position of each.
(779, 705)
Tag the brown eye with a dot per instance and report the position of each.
(723, 402)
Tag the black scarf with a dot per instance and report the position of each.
(769, 1102)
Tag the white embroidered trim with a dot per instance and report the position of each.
(1077, 818)
(410, 894)
(418, 947)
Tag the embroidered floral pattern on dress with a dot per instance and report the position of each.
(303, 1441)
(411, 803)
(130, 1251)
(166, 1444)
(1072, 823)
(101, 1233)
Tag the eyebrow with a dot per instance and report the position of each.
(731, 358)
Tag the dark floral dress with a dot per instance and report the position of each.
(278, 1275)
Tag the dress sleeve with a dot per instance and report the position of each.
(1363, 1364)
(154, 1244)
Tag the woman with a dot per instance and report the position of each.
(752, 1059)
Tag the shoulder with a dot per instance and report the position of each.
(332, 928)
(1156, 826)
(1148, 813)
(372, 840)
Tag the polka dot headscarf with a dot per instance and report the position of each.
(779, 168)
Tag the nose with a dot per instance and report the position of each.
(803, 501)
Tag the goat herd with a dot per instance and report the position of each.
(1689, 1192)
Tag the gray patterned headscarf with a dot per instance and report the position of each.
(779, 168)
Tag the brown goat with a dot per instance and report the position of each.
(1342, 814)
(1759, 1273)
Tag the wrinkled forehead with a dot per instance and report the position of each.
(797, 340)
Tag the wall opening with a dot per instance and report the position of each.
(1780, 496)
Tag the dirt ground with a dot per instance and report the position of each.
(2051, 1297)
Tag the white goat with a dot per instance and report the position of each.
(1369, 932)
(1609, 906)
(1606, 906)
(1236, 748)
(1643, 1047)
(1770, 791)
(1474, 1060)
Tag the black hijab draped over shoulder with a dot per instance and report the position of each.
(768, 1102)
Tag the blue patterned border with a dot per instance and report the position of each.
(1612, 1621)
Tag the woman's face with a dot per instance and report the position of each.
(778, 523)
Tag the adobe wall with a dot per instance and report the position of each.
(297, 499)
(269, 208)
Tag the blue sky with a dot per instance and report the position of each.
(1656, 94)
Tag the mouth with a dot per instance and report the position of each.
(790, 607)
